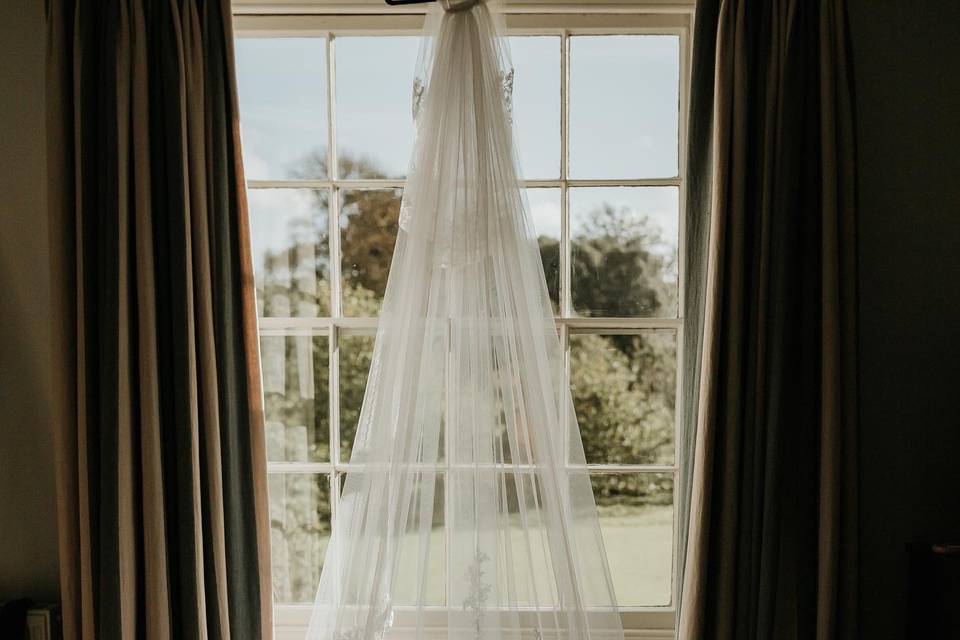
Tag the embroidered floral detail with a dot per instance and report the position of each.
(506, 86)
(417, 96)
(476, 600)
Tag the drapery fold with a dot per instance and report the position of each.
(773, 520)
(697, 201)
(160, 448)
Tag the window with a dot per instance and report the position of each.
(325, 108)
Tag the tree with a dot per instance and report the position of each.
(367, 244)
(623, 386)
(618, 266)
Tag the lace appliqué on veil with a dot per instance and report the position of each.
(476, 600)
(416, 105)
(418, 88)
(506, 87)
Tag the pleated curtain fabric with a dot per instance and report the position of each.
(163, 521)
(771, 551)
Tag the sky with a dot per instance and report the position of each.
(623, 118)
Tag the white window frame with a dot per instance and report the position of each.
(563, 18)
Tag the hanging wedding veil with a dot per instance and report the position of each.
(467, 470)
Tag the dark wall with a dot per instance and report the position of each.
(28, 526)
(907, 73)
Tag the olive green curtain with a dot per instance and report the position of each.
(163, 519)
(771, 550)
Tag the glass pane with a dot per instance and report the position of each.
(368, 223)
(536, 104)
(291, 259)
(299, 533)
(282, 84)
(624, 106)
(624, 251)
(296, 397)
(545, 212)
(636, 519)
(405, 585)
(374, 103)
(624, 394)
(529, 546)
(355, 354)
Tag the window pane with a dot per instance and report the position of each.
(291, 259)
(282, 84)
(296, 397)
(529, 545)
(545, 212)
(624, 394)
(624, 106)
(636, 519)
(405, 587)
(374, 103)
(536, 104)
(355, 354)
(368, 222)
(299, 533)
(624, 251)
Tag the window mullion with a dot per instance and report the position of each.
(377, 183)
(334, 399)
(565, 251)
(448, 452)
(565, 416)
(336, 301)
(333, 344)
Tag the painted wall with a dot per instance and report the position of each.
(907, 71)
(28, 543)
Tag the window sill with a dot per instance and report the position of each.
(291, 621)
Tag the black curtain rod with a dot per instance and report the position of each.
(464, 5)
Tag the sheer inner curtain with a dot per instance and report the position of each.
(773, 494)
(467, 423)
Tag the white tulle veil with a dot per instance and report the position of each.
(467, 468)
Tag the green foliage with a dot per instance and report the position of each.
(624, 398)
(623, 386)
(355, 355)
(622, 495)
(368, 239)
(615, 269)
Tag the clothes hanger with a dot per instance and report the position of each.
(448, 5)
